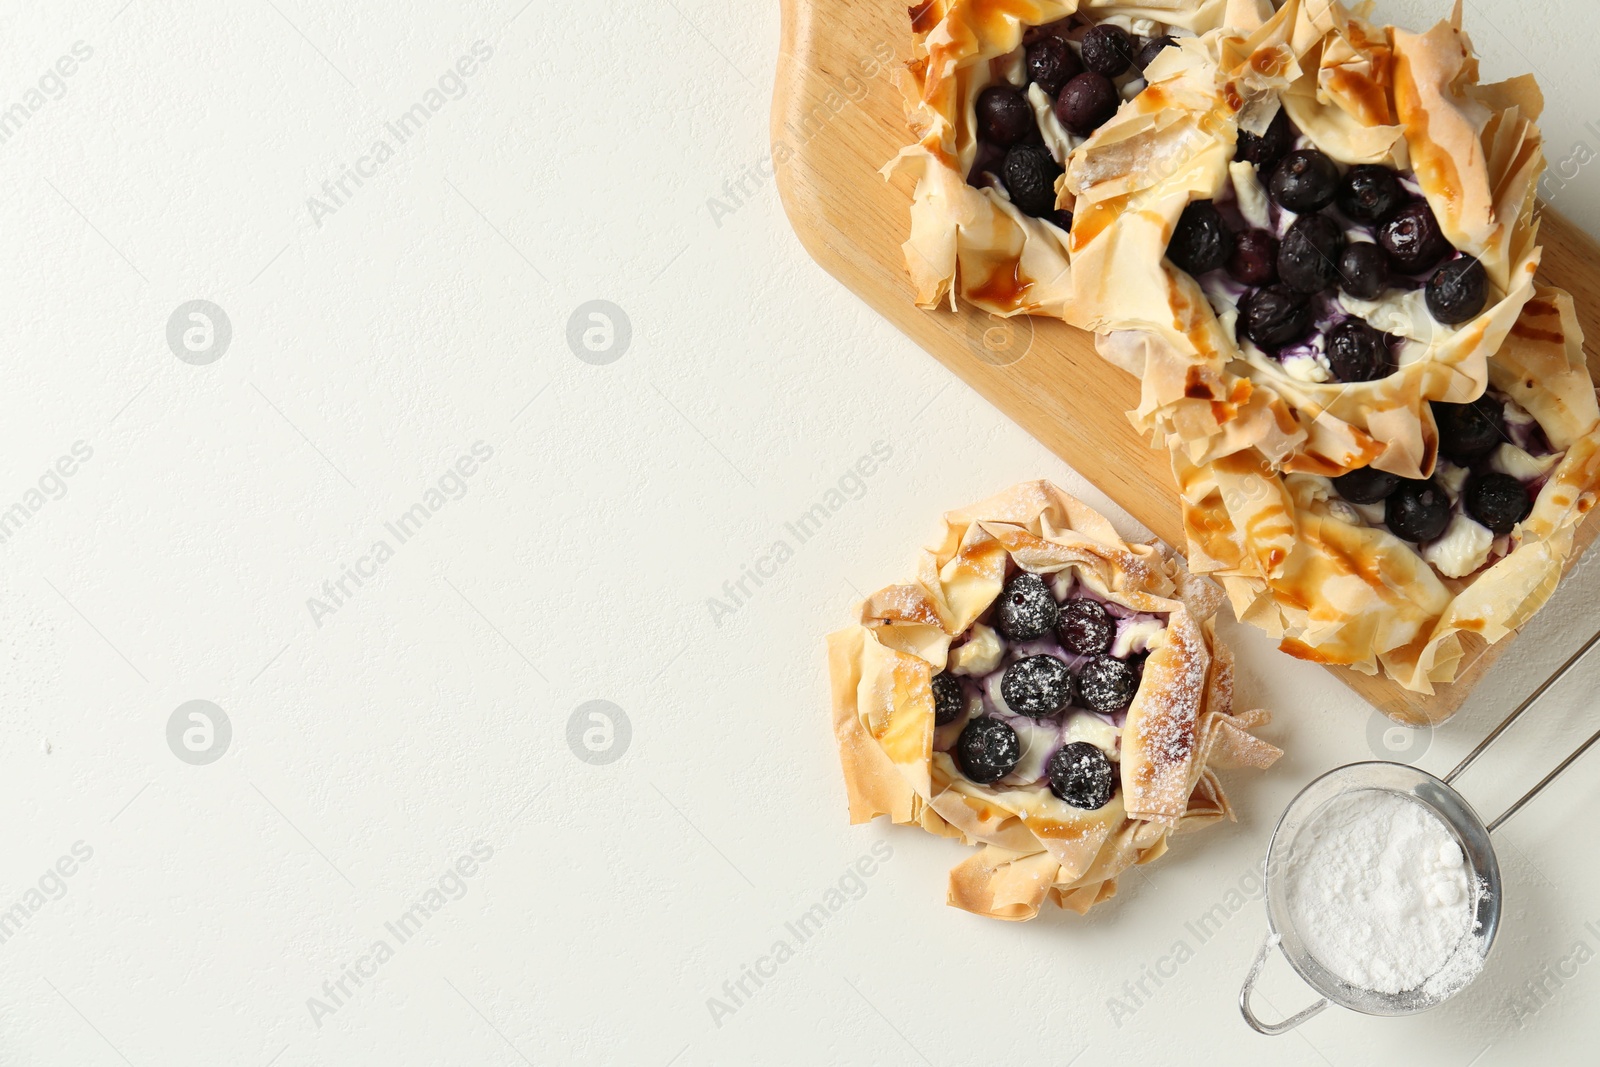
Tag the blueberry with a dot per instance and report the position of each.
(1255, 258)
(989, 159)
(1153, 47)
(1457, 291)
(1358, 353)
(1469, 432)
(1367, 485)
(1364, 270)
(1107, 685)
(1413, 239)
(1417, 511)
(1266, 149)
(1026, 609)
(1062, 218)
(1085, 627)
(1498, 501)
(1201, 241)
(1107, 50)
(987, 750)
(1036, 686)
(1030, 177)
(1306, 180)
(1004, 117)
(1274, 317)
(1308, 256)
(1052, 64)
(1081, 775)
(948, 701)
(1086, 102)
(1369, 193)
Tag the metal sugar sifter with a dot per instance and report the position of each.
(1452, 809)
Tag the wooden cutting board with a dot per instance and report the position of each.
(837, 119)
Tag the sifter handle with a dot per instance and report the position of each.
(1270, 1029)
(1533, 698)
(1552, 776)
(1494, 735)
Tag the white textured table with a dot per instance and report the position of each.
(377, 511)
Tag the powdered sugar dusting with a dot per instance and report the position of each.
(1382, 896)
(1169, 713)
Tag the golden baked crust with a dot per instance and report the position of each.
(1339, 592)
(1179, 730)
(1360, 94)
(973, 242)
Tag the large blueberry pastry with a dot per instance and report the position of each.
(1370, 569)
(1046, 691)
(998, 96)
(1306, 231)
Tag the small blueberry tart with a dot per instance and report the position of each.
(1373, 570)
(1043, 690)
(1305, 231)
(1315, 242)
(999, 96)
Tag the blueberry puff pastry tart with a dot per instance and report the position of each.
(1369, 569)
(998, 94)
(1304, 232)
(1043, 690)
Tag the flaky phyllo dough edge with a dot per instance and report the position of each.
(1333, 592)
(1363, 95)
(972, 243)
(1180, 728)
